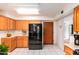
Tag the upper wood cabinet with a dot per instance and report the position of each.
(3, 23)
(11, 24)
(76, 19)
(22, 25)
(6, 23)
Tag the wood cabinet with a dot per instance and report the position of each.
(11, 24)
(22, 25)
(3, 23)
(68, 50)
(76, 19)
(22, 41)
(10, 42)
(15, 42)
(6, 23)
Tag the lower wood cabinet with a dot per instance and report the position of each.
(15, 42)
(22, 41)
(10, 42)
(68, 50)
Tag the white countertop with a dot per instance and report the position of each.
(72, 46)
(13, 36)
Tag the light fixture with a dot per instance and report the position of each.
(27, 11)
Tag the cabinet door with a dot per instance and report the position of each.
(11, 24)
(7, 42)
(76, 19)
(2, 41)
(22, 25)
(25, 42)
(13, 44)
(22, 41)
(25, 25)
(3, 23)
(19, 25)
(14, 24)
(19, 42)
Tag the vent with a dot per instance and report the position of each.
(62, 12)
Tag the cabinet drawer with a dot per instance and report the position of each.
(68, 50)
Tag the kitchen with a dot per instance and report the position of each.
(15, 33)
(18, 29)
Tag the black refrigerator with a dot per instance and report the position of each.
(35, 36)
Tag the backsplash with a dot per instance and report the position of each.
(3, 33)
(71, 39)
(13, 33)
(20, 33)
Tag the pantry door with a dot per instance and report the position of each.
(48, 32)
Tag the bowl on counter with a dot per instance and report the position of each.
(8, 35)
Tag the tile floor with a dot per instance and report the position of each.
(47, 50)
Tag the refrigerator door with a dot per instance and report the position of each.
(35, 36)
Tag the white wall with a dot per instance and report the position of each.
(59, 33)
(68, 20)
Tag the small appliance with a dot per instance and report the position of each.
(76, 41)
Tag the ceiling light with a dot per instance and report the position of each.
(27, 11)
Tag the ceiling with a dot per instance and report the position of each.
(46, 9)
